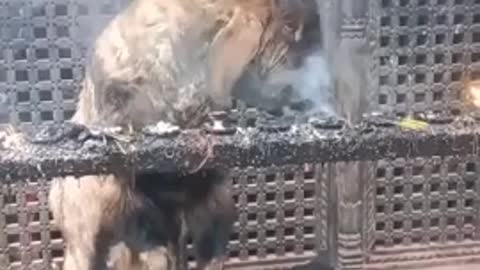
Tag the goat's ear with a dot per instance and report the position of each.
(232, 49)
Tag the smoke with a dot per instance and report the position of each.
(314, 83)
(311, 84)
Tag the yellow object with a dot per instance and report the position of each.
(410, 123)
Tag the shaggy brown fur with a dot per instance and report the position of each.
(172, 61)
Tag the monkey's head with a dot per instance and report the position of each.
(286, 36)
(263, 45)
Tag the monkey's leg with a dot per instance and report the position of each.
(160, 248)
(181, 245)
(88, 211)
(122, 257)
(210, 223)
(141, 249)
(72, 263)
(163, 224)
(81, 256)
(157, 258)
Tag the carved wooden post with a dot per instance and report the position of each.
(349, 218)
(350, 61)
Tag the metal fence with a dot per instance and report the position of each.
(44, 44)
(425, 54)
(378, 214)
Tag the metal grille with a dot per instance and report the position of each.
(426, 203)
(425, 52)
(283, 220)
(28, 238)
(283, 213)
(43, 45)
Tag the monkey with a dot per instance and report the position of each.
(172, 61)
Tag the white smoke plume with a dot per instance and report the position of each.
(314, 83)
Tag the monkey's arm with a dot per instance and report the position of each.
(231, 51)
